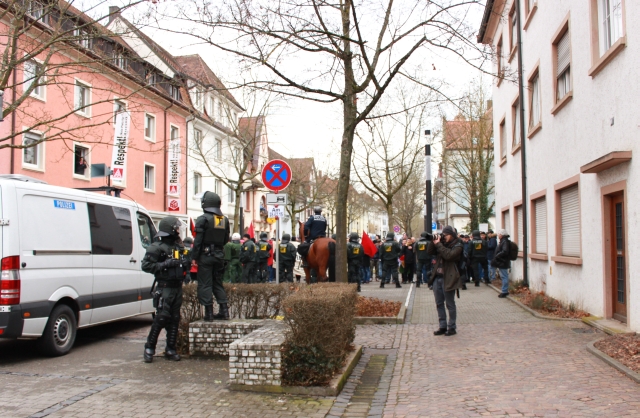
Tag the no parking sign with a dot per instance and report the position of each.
(276, 175)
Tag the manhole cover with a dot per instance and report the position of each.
(584, 330)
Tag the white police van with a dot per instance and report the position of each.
(70, 259)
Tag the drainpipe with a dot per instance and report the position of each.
(191, 118)
(13, 123)
(164, 186)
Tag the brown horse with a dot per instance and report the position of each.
(321, 256)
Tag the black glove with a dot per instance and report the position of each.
(187, 279)
(170, 263)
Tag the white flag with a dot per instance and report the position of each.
(120, 148)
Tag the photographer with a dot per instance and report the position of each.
(445, 277)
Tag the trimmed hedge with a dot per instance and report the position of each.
(320, 332)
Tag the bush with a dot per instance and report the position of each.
(189, 312)
(320, 332)
(257, 301)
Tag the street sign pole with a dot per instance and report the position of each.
(277, 249)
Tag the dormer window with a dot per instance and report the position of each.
(83, 38)
(174, 92)
(119, 60)
(37, 11)
(198, 98)
(152, 78)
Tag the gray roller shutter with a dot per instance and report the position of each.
(570, 221)
(541, 226)
(563, 48)
(506, 222)
(519, 237)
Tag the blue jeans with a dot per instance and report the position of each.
(492, 272)
(422, 271)
(272, 274)
(504, 275)
(365, 273)
(445, 298)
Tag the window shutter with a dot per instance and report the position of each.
(564, 53)
(570, 222)
(541, 226)
(519, 237)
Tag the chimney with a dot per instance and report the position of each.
(114, 11)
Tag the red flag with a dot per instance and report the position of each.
(192, 227)
(252, 233)
(370, 248)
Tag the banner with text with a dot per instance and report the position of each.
(120, 148)
(174, 167)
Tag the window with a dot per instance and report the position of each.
(33, 77)
(503, 139)
(217, 187)
(500, 54)
(82, 99)
(609, 23)
(212, 106)
(506, 221)
(81, 161)
(110, 230)
(570, 221)
(529, 5)
(147, 230)
(32, 156)
(197, 183)
(540, 210)
(513, 24)
(515, 111)
(563, 66)
(198, 98)
(218, 149)
(175, 133)
(220, 113)
(36, 10)
(534, 102)
(83, 38)
(119, 60)
(149, 177)
(197, 137)
(174, 92)
(149, 127)
(232, 193)
(519, 228)
(118, 106)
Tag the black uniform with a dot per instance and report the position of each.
(354, 261)
(212, 233)
(287, 259)
(478, 258)
(315, 227)
(249, 258)
(424, 260)
(165, 260)
(390, 251)
(264, 250)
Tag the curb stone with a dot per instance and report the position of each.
(532, 312)
(613, 362)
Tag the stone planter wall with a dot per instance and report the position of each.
(256, 358)
(213, 338)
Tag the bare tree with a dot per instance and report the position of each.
(409, 201)
(350, 51)
(45, 45)
(467, 157)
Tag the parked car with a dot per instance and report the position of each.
(70, 259)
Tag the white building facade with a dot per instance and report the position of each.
(579, 58)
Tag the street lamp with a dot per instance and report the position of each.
(428, 215)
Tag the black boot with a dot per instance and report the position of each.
(381, 284)
(170, 352)
(152, 340)
(223, 313)
(398, 284)
(208, 313)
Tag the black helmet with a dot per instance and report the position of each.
(263, 235)
(353, 236)
(211, 203)
(333, 236)
(425, 234)
(391, 235)
(286, 238)
(317, 210)
(169, 227)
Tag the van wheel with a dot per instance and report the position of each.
(60, 333)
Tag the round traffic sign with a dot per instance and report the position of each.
(276, 175)
(396, 229)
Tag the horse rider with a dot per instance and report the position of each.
(315, 227)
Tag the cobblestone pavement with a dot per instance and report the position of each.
(503, 362)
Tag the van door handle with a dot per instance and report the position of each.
(133, 260)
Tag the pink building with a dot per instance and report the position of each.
(66, 107)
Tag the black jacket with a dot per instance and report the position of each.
(492, 244)
(315, 227)
(501, 259)
(409, 254)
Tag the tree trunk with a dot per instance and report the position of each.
(236, 210)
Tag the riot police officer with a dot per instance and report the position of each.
(390, 253)
(424, 259)
(354, 258)
(287, 259)
(212, 233)
(233, 269)
(264, 251)
(248, 258)
(165, 260)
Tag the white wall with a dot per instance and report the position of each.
(578, 134)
